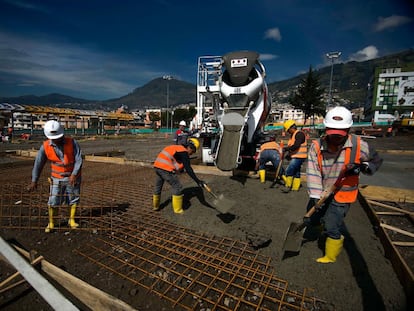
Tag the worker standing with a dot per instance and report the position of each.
(181, 135)
(269, 151)
(335, 155)
(296, 153)
(65, 157)
(170, 161)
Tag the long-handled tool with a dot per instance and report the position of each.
(294, 234)
(221, 204)
(279, 166)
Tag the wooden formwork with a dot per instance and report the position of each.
(391, 212)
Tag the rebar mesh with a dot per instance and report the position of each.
(192, 270)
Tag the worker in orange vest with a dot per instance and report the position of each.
(270, 151)
(171, 161)
(336, 158)
(296, 153)
(65, 157)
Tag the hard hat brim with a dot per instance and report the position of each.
(55, 136)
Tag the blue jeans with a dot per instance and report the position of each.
(268, 155)
(294, 167)
(61, 191)
(169, 177)
(331, 215)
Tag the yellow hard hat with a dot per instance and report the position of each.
(195, 142)
(288, 124)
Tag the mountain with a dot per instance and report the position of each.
(53, 99)
(349, 82)
(154, 95)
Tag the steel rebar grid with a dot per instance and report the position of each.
(189, 269)
(193, 271)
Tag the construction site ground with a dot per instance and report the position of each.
(202, 259)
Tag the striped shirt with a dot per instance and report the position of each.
(332, 164)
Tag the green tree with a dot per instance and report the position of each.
(309, 95)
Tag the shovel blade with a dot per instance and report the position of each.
(222, 204)
(294, 237)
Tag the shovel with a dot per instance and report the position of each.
(294, 234)
(220, 203)
(277, 171)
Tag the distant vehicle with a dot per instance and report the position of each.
(233, 104)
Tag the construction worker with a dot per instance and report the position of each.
(296, 153)
(65, 157)
(181, 135)
(170, 161)
(336, 157)
(269, 152)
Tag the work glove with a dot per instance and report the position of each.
(312, 202)
(288, 156)
(365, 168)
(307, 221)
(201, 184)
(352, 169)
(32, 186)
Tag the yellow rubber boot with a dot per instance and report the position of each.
(295, 184)
(284, 178)
(156, 202)
(51, 224)
(288, 184)
(332, 249)
(177, 204)
(262, 175)
(72, 213)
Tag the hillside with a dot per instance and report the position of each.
(350, 81)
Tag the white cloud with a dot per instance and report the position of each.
(367, 53)
(268, 56)
(273, 34)
(391, 22)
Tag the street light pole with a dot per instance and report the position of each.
(168, 78)
(332, 56)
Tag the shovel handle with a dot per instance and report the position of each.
(327, 193)
(209, 190)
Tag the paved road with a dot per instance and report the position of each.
(397, 171)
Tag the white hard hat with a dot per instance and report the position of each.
(338, 118)
(182, 123)
(53, 129)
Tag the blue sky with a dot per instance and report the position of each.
(105, 49)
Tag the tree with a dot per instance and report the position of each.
(308, 96)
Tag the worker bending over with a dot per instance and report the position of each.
(295, 152)
(169, 162)
(338, 156)
(269, 152)
(65, 157)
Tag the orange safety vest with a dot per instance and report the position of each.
(61, 169)
(271, 145)
(166, 161)
(302, 151)
(349, 187)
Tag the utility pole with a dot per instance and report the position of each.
(332, 56)
(168, 78)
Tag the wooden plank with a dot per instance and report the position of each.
(397, 230)
(396, 209)
(401, 243)
(389, 213)
(91, 296)
(54, 298)
(387, 193)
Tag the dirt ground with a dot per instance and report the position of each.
(361, 279)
